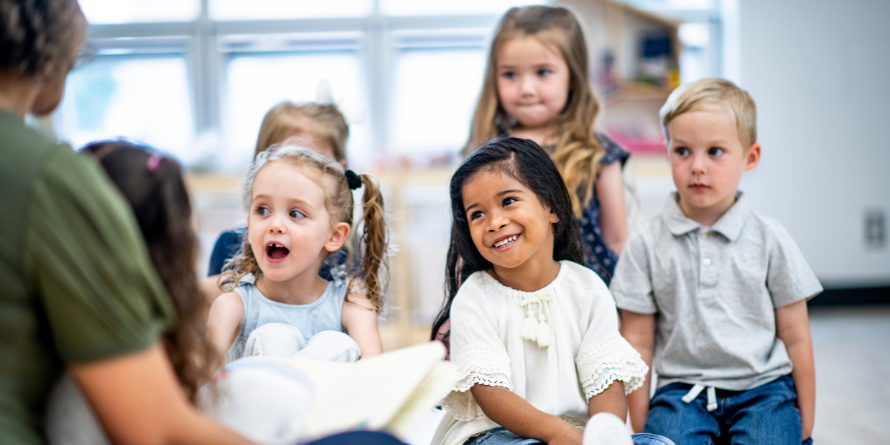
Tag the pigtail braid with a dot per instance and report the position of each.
(374, 266)
(244, 262)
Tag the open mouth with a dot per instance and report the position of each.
(506, 241)
(276, 251)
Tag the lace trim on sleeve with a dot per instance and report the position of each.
(482, 364)
(610, 359)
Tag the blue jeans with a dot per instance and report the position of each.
(500, 436)
(767, 414)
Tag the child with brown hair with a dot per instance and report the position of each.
(713, 294)
(300, 212)
(536, 87)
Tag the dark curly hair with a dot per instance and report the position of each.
(36, 36)
(153, 186)
(528, 163)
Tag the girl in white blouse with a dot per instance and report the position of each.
(534, 335)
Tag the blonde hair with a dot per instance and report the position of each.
(288, 118)
(374, 266)
(577, 154)
(711, 94)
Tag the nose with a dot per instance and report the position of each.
(276, 224)
(699, 163)
(497, 221)
(527, 85)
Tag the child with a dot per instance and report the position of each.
(320, 128)
(300, 212)
(536, 87)
(534, 334)
(717, 291)
(153, 187)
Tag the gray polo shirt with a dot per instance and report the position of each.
(714, 292)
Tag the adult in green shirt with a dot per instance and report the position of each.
(79, 292)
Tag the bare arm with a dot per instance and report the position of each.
(612, 400)
(639, 331)
(210, 289)
(360, 321)
(519, 417)
(793, 327)
(613, 214)
(224, 321)
(152, 411)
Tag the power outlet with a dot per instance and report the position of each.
(875, 229)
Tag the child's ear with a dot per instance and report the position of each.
(338, 237)
(554, 218)
(752, 157)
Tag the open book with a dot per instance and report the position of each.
(275, 400)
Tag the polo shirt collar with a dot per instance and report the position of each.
(729, 225)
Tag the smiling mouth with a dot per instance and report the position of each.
(506, 241)
(276, 251)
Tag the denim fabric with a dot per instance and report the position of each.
(358, 438)
(766, 414)
(500, 436)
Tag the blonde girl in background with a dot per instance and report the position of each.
(536, 87)
(300, 212)
(318, 127)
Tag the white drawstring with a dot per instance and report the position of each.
(696, 390)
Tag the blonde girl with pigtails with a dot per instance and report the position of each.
(300, 212)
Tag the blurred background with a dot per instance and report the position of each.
(194, 78)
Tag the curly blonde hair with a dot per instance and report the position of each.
(372, 271)
(577, 154)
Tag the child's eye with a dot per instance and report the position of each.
(715, 151)
(682, 151)
(508, 74)
(508, 201)
(296, 214)
(476, 214)
(262, 211)
(544, 71)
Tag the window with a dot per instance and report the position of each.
(434, 101)
(288, 9)
(256, 82)
(130, 11)
(143, 98)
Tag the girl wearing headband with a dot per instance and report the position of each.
(300, 211)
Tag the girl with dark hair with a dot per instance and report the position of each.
(534, 335)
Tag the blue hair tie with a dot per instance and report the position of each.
(353, 180)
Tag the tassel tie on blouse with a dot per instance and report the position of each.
(536, 329)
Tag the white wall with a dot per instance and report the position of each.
(819, 71)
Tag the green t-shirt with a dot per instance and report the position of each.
(77, 282)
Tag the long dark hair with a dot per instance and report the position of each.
(528, 163)
(153, 186)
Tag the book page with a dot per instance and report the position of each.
(371, 392)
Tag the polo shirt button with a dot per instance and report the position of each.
(706, 262)
(704, 234)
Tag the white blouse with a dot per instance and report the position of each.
(555, 347)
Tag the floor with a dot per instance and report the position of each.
(852, 350)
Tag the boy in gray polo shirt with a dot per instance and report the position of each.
(716, 293)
